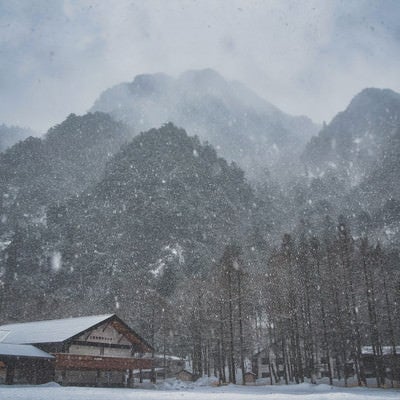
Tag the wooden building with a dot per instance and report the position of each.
(185, 376)
(169, 364)
(269, 364)
(250, 378)
(389, 361)
(165, 366)
(97, 350)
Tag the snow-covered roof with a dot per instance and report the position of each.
(22, 350)
(187, 370)
(386, 350)
(51, 331)
(168, 357)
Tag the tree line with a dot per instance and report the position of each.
(317, 301)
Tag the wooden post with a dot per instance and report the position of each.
(130, 379)
(98, 376)
(37, 367)
(64, 377)
(10, 373)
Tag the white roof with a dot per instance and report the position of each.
(386, 350)
(51, 331)
(22, 350)
(168, 357)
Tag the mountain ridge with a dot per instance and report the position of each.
(242, 126)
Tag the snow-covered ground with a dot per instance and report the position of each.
(293, 392)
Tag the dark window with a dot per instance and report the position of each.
(265, 375)
(264, 361)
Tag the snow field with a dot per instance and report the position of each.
(293, 392)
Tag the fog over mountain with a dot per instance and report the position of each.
(239, 124)
(10, 135)
(308, 58)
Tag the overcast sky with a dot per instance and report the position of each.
(306, 57)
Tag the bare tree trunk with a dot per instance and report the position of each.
(344, 241)
(241, 327)
(285, 362)
(232, 375)
(389, 316)
(222, 349)
(317, 258)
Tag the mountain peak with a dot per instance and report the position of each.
(202, 76)
(356, 136)
(374, 98)
(150, 83)
(205, 82)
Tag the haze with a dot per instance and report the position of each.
(308, 57)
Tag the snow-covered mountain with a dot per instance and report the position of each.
(163, 210)
(353, 166)
(242, 126)
(354, 140)
(36, 172)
